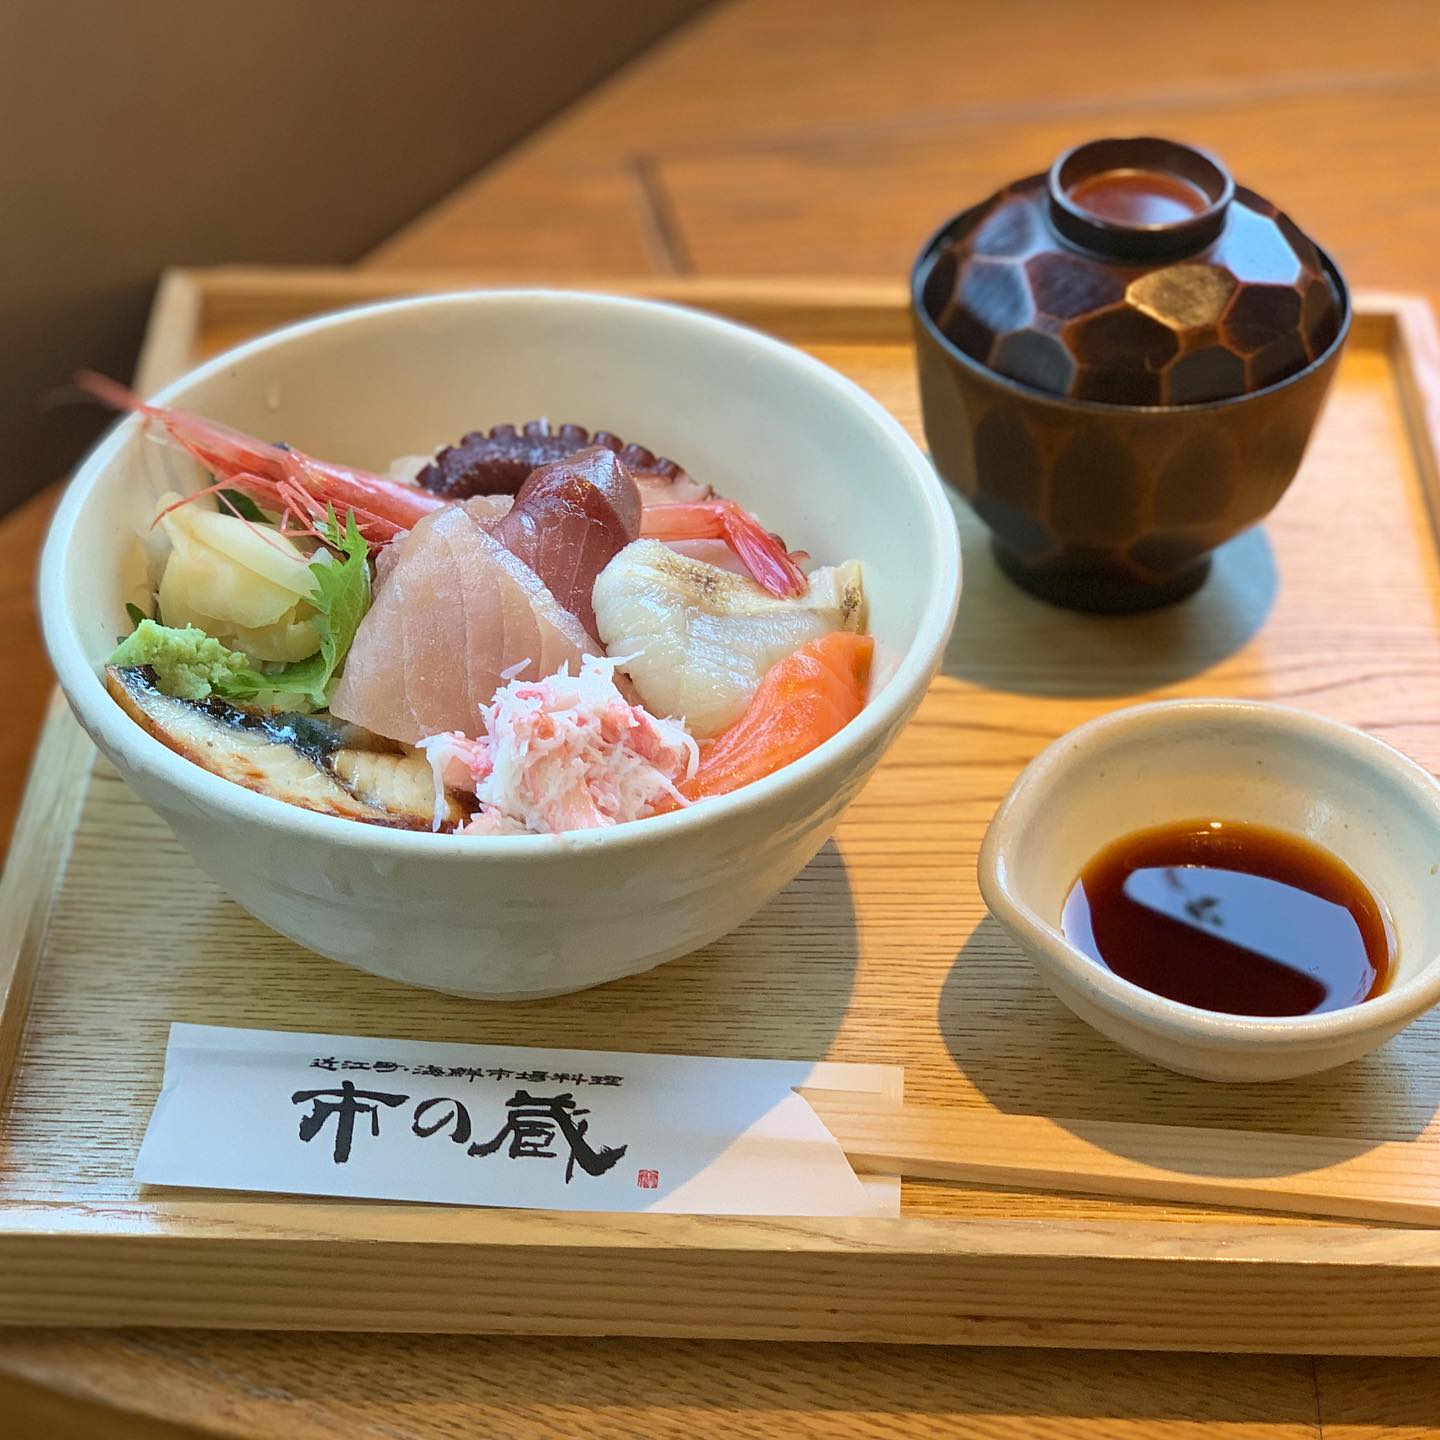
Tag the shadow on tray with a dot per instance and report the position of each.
(1027, 1054)
(1006, 639)
(779, 987)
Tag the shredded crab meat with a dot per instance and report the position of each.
(563, 753)
(457, 763)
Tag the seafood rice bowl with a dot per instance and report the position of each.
(505, 643)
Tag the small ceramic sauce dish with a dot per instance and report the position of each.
(1240, 762)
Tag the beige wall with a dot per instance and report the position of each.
(140, 133)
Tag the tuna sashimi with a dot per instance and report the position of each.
(803, 700)
(456, 610)
(569, 520)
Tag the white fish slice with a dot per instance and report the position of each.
(699, 639)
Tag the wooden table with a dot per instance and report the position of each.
(787, 137)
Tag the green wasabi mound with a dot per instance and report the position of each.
(188, 663)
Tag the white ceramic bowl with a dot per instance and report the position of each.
(1230, 760)
(517, 917)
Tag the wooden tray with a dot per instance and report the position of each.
(881, 950)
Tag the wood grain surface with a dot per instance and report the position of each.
(370, 1387)
(882, 948)
(899, 973)
(587, 198)
(20, 536)
(775, 137)
(1396, 1181)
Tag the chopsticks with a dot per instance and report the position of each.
(1308, 1175)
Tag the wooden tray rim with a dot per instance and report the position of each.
(215, 1248)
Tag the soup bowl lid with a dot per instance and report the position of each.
(1133, 272)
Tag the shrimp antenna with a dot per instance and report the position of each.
(109, 392)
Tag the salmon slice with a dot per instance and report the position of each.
(803, 700)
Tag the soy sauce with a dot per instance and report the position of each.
(1232, 917)
(1139, 197)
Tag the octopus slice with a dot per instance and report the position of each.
(497, 462)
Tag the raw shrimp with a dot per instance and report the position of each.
(284, 480)
(290, 482)
(764, 554)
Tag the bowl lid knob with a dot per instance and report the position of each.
(1138, 198)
